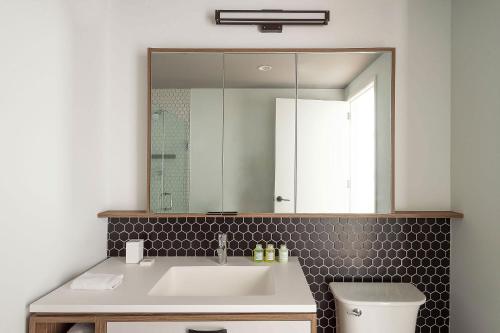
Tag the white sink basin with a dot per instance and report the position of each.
(215, 281)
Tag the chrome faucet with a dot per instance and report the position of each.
(222, 249)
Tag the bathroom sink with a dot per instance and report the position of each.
(215, 281)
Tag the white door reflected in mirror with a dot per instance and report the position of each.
(335, 155)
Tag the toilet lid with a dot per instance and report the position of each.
(389, 294)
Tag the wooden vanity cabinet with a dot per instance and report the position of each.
(177, 323)
(61, 323)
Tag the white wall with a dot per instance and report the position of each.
(205, 143)
(475, 168)
(418, 29)
(249, 126)
(52, 172)
(73, 113)
(423, 135)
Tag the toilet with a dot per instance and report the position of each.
(376, 307)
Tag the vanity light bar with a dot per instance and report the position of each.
(272, 20)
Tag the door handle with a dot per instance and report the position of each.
(162, 200)
(211, 331)
(279, 198)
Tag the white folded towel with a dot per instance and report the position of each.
(82, 328)
(96, 281)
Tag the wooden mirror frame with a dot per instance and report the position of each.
(272, 50)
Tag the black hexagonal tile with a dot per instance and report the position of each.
(361, 250)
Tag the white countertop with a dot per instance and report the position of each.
(291, 291)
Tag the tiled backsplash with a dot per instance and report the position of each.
(333, 249)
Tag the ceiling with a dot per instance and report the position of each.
(205, 70)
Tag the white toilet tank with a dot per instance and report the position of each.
(376, 307)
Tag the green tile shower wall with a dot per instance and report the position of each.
(170, 135)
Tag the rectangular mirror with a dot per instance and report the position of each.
(271, 131)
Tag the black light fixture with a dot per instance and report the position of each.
(272, 20)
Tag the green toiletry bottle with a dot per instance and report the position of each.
(283, 254)
(258, 253)
(270, 253)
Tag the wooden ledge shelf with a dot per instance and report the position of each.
(398, 214)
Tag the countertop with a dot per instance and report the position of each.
(291, 291)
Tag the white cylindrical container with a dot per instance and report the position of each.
(283, 254)
(376, 307)
(134, 249)
(82, 328)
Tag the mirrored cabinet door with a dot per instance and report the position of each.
(259, 141)
(344, 132)
(186, 132)
(271, 132)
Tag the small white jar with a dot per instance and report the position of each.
(134, 249)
